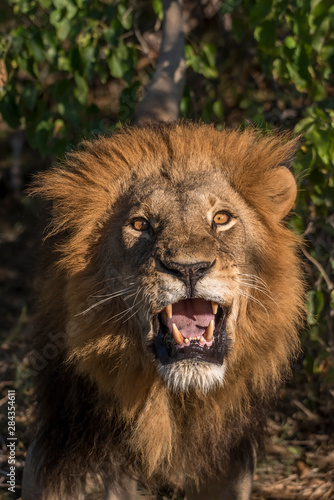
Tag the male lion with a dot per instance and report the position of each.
(171, 293)
(178, 287)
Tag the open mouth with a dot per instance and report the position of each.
(191, 329)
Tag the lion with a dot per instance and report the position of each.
(173, 286)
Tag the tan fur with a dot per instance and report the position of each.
(92, 257)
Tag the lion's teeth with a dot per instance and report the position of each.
(186, 341)
(208, 334)
(177, 334)
(201, 339)
(169, 311)
(214, 306)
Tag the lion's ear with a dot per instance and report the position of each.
(281, 188)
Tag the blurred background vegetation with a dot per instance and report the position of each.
(73, 69)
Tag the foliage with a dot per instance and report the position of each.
(295, 48)
(269, 62)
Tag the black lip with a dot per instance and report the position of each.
(167, 351)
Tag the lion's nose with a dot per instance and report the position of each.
(189, 273)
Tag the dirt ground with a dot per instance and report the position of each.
(299, 464)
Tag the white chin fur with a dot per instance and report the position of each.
(191, 374)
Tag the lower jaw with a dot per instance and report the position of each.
(168, 352)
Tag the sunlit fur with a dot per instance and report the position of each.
(186, 375)
(104, 403)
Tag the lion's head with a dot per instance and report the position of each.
(179, 274)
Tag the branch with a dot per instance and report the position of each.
(161, 102)
(317, 264)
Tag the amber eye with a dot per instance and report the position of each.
(222, 218)
(140, 224)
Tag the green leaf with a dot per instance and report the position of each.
(9, 110)
(218, 109)
(321, 140)
(158, 8)
(88, 56)
(310, 299)
(210, 51)
(63, 29)
(207, 71)
(110, 36)
(45, 4)
(332, 296)
(290, 42)
(265, 34)
(228, 6)
(303, 60)
(191, 58)
(40, 131)
(299, 82)
(304, 124)
(279, 68)
(125, 16)
(81, 91)
(115, 66)
(54, 18)
(60, 4)
(29, 96)
(320, 302)
(300, 25)
(64, 64)
(72, 9)
(260, 10)
(294, 451)
(322, 27)
(36, 48)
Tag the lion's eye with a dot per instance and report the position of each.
(222, 218)
(140, 224)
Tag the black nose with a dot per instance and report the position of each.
(188, 273)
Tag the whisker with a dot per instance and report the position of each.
(256, 278)
(250, 297)
(258, 286)
(121, 278)
(106, 288)
(122, 314)
(109, 297)
(251, 283)
(107, 294)
(136, 312)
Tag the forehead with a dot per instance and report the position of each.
(190, 190)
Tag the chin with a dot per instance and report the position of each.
(192, 374)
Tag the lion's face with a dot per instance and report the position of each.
(178, 265)
(186, 247)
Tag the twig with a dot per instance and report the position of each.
(307, 412)
(140, 38)
(317, 264)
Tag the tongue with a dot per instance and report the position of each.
(191, 316)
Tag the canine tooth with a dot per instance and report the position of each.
(169, 311)
(208, 334)
(177, 334)
(186, 341)
(214, 306)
